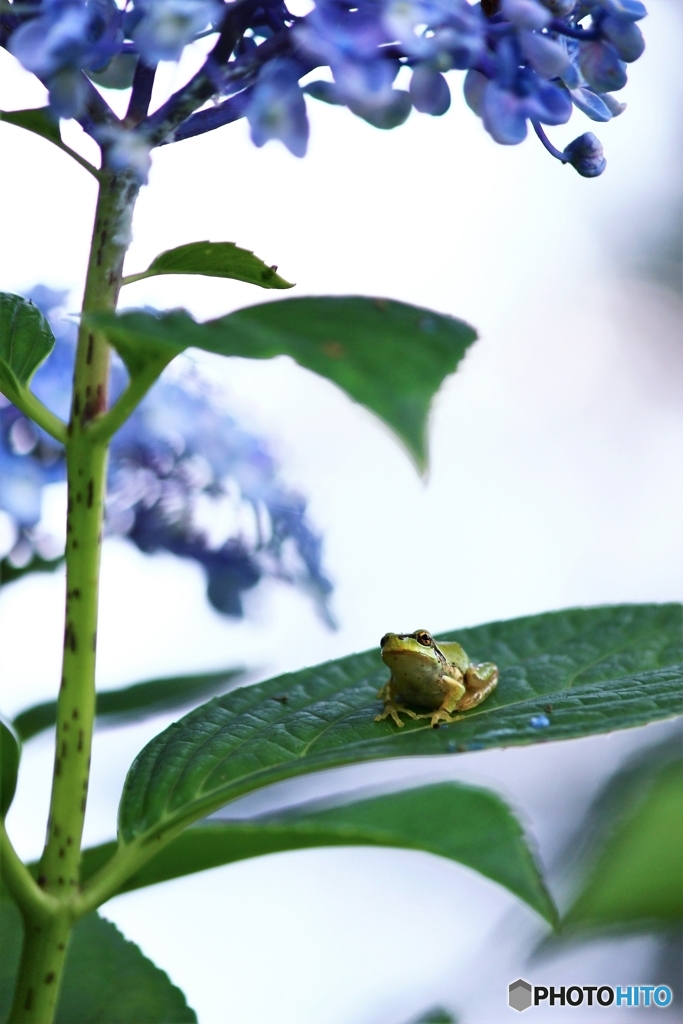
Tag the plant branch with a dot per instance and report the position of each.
(23, 889)
(141, 94)
(32, 407)
(205, 83)
(106, 426)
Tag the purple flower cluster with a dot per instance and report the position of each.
(183, 478)
(526, 61)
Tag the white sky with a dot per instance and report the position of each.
(555, 481)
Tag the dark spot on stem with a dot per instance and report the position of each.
(28, 1002)
(49, 977)
(60, 880)
(62, 851)
(58, 766)
(65, 749)
(61, 947)
(70, 634)
(69, 841)
(91, 342)
(41, 880)
(57, 831)
(91, 489)
(80, 739)
(79, 498)
(83, 806)
(74, 713)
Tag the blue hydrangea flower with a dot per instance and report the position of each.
(167, 26)
(67, 37)
(184, 477)
(277, 108)
(528, 62)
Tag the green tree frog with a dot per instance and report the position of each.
(437, 677)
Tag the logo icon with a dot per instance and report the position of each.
(519, 995)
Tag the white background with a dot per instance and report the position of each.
(555, 481)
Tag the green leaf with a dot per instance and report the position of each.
(10, 753)
(9, 573)
(133, 703)
(106, 978)
(636, 882)
(462, 823)
(25, 341)
(38, 120)
(388, 356)
(214, 259)
(581, 671)
(437, 1015)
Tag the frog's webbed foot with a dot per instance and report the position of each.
(394, 709)
(438, 716)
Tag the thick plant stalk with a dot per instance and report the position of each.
(46, 935)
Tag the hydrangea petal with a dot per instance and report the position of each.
(503, 114)
(591, 104)
(625, 37)
(429, 91)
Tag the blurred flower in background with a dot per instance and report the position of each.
(184, 478)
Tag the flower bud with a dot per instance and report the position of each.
(586, 156)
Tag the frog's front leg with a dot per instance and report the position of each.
(388, 695)
(455, 689)
(480, 681)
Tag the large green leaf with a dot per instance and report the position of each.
(25, 341)
(132, 703)
(390, 357)
(106, 978)
(213, 259)
(563, 674)
(637, 880)
(461, 823)
(10, 752)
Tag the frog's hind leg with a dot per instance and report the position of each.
(388, 695)
(480, 681)
(454, 694)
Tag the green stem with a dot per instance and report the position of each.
(42, 960)
(86, 456)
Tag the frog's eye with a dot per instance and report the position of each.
(384, 640)
(424, 638)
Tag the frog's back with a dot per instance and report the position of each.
(455, 654)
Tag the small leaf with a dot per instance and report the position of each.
(563, 674)
(106, 978)
(388, 356)
(133, 703)
(10, 752)
(462, 823)
(25, 341)
(214, 259)
(9, 573)
(38, 120)
(637, 880)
